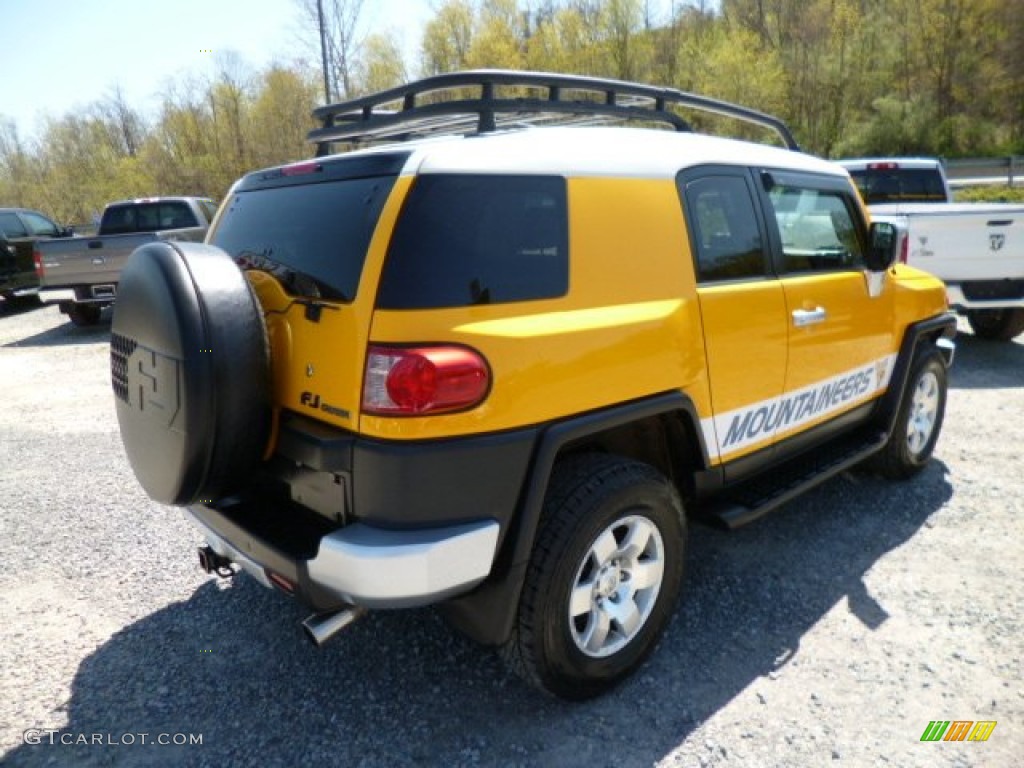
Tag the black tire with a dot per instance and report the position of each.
(190, 370)
(996, 324)
(919, 420)
(590, 497)
(84, 315)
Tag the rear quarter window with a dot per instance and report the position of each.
(473, 239)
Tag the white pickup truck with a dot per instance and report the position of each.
(976, 248)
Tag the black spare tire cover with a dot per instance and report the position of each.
(190, 369)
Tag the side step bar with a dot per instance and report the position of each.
(748, 501)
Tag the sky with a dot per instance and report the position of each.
(57, 56)
(60, 55)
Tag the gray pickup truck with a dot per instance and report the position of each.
(81, 274)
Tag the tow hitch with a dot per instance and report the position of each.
(211, 562)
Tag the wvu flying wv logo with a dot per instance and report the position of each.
(958, 730)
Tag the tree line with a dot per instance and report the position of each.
(936, 77)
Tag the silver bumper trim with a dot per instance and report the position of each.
(379, 568)
(56, 295)
(958, 300)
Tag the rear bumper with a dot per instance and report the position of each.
(992, 294)
(102, 293)
(358, 564)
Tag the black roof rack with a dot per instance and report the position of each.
(440, 105)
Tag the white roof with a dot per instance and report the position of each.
(597, 151)
(861, 163)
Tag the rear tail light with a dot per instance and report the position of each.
(419, 381)
(904, 247)
(37, 260)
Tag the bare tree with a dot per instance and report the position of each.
(126, 128)
(343, 38)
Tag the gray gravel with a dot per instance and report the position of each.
(829, 633)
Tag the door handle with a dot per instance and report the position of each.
(804, 317)
(94, 244)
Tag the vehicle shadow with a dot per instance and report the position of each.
(19, 306)
(400, 688)
(983, 364)
(68, 333)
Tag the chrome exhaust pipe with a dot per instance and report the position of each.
(321, 627)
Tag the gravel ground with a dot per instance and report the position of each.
(828, 633)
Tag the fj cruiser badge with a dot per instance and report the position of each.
(312, 400)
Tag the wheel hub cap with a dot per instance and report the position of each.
(616, 586)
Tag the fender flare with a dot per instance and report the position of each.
(487, 613)
(927, 331)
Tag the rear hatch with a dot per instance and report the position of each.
(305, 234)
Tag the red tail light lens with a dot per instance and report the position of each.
(904, 247)
(37, 261)
(418, 381)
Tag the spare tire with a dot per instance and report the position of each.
(190, 370)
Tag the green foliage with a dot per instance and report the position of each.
(989, 194)
(851, 77)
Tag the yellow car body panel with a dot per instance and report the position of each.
(623, 314)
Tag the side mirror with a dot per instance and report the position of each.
(885, 242)
(6, 247)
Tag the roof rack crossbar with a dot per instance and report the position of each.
(376, 117)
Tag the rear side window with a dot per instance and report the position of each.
(473, 239)
(725, 229)
(311, 237)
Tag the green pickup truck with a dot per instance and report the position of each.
(20, 228)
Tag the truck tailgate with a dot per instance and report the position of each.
(967, 242)
(87, 261)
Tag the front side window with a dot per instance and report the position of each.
(209, 209)
(725, 229)
(816, 228)
(40, 225)
(475, 239)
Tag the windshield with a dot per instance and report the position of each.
(311, 237)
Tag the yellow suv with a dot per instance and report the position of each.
(497, 357)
